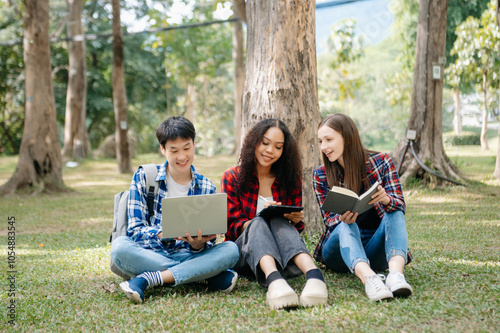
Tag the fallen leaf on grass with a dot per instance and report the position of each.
(110, 288)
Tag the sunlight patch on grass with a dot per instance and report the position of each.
(492, 181)
(476, 263)
(436, 200)
(492, 223)
(439, 213)
(117, 182)
(93, 221)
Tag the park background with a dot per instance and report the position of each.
(364, 69)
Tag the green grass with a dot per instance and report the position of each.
(63, 282)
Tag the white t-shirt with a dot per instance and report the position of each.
(176, 190)
(261, 202)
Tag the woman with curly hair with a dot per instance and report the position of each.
(271, 249)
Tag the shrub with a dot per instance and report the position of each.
(465, 139)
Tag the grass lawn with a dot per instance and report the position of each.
(62, 280)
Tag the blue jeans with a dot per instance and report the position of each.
(186, 266)
(348, 245)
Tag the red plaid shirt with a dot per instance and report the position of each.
(242, 207)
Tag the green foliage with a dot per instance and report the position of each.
(464, 139)
(344, 44)
(345, 48)
(477, 47)
(458, 12)
(199, 58)
(64, 283)
(12, 81)
(380, 123)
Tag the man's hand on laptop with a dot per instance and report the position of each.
(196, 242)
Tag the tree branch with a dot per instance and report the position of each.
(239, 8)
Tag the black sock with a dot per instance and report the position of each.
(273, 277)
(315, 274)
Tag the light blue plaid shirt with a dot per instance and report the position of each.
(144, 233)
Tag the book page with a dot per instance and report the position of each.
(344, 191)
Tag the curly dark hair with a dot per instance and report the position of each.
(287, 169)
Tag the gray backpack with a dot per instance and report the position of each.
(120, 216)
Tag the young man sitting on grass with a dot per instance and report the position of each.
(142, 254)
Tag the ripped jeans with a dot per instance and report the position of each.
(348, 245)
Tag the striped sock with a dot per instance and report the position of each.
(153, 278)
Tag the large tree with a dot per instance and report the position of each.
(239, 70)
(39, 165)
(76, 143)
(496, 173)
(427, 95)
(119, 96)
(281, 79)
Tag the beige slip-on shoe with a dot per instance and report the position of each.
(280, 295)
(314, 293)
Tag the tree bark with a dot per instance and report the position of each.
(40, 163)
(119, 96)
(239, 8)
(496, 173)
(281, 80)
(239, 73)
(484, 116)
(427, 95)
(76, 143)
(189, 105)
(457, 119)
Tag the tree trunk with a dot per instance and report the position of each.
(119, 97)
(281, 80)
(167, 85)
(40, 164)
(426, 116)
(457, 119)
(239, 76)
(76, 143)
(239, 8)
(484, 117)
(189, 105)
(496, 173)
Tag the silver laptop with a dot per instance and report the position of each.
(188, 214)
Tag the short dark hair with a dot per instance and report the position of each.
(173, 128)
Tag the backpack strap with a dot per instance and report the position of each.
(150, 170)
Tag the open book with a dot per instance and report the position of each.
(339, 200)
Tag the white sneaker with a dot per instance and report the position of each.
(397, 284)
(314, 293)
(280, 295)
(375, 288)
